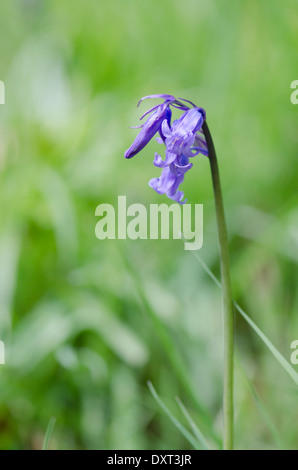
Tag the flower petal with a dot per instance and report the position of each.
(165, 97)
(149, 129)
(165, 128)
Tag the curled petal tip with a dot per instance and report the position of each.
(163, 96)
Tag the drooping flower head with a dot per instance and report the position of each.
(183, 140)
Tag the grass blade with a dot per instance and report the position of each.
(49, 432)
(197, 433)
(278, 356)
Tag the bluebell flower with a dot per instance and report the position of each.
(183, 139)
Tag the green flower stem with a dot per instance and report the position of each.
(228, 311)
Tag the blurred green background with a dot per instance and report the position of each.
(86, 323)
